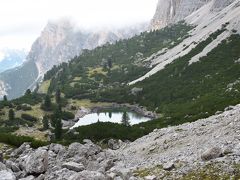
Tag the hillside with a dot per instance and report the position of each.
(59, 42)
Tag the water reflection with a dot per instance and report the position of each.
(115, 117)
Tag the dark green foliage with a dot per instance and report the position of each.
(47, 104)
(31, 99)
(28, 92)
(19, 140)
(28, 117)
(56, 122)
(5, 98)
(58, 129)
(45, 122)
(58, 96)
(107, 130)
(67, 115)
(11, 115)
(24, 108)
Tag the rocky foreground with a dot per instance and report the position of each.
(206, 148)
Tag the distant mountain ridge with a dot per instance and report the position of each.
(10, 58)
(59, 42)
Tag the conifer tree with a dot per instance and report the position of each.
(125, 119)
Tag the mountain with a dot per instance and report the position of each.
(10, 58)
(213, 15)
(59, 42)
(172, 11)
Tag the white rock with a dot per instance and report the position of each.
(7, 175)
(73, 166)
(37, 162)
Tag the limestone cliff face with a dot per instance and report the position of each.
(61, 41)
(172, 11)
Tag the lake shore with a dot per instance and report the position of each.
(83, 111)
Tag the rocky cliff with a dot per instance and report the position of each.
(172, 11)
(206, 148)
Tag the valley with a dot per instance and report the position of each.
(161, 103)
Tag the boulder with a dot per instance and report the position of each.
(7, 175)
(56, 148)
(37, 162)
(168, 166)
(28, 178)
(212, 153)
(13, 166)
(62, 174)
(114, 144)
(85, 175)
(76, 149)
(23, 149)
(73, 166)
(2, 167)
(150, 177)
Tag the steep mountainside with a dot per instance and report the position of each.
(59, 42)
(210, 17)
(172, 11)
(10, 58)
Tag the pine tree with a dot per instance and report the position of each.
(109, 63)
(5, 98)
(28, 92)
(45, 123)
(58, 96)
(58, 122)
(125, 119)
(58, 129)
(11, 115)
(47, 102)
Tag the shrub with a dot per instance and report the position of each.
(29, 118)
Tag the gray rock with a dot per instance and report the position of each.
(150, 177)
(7, 175)
(73, 166)
(40, 177)
(62, 174)
(114, 144)
(56, 148)
(87, 175)
(212, 153)
(37, 162)
(135, 91)
(172, 11)
(2, 167)
(28, 178)
(13, 166)
(23, 149)
(168, 166)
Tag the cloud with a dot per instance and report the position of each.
(25, 19)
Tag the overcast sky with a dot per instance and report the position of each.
(21, 21)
